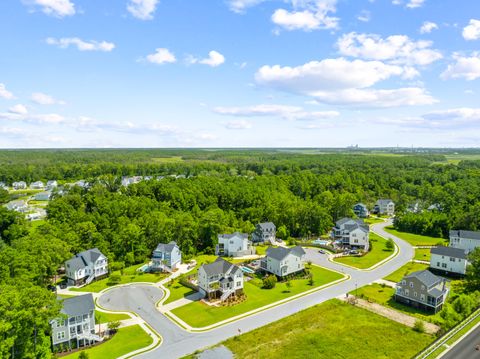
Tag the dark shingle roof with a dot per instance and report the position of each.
(220, 266)
(266, 225)
(235, 234)
(82, 259)
(465, 234)
(280, 252)
(166, 248)
(449, 252)
(79, 305)
(426, 277)
(435, 292)
(384, 201)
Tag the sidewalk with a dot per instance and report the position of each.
(386, 282)
(181, 302)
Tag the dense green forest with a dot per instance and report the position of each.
(223, 191)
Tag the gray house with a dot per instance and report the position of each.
(467, 240)
(220, 279)
(76, 323)
(166, 257)
(264, 232)
(422, 289)
(283, 261)
(86, 266)
(354, 233)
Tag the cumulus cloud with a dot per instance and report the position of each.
(214, 59)
(428, 27)
(44, 99)
(81, 45)
(239, 6)
(397, 49)
(4, 93)
(57, 8)
(18, 109)
(411, 4)
(142, 9)
(283, 111)
(307, 15)
(161, 56)
(463, 67)
(238, 125)
(472, 31)
(364, 16)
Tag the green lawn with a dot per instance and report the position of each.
(261, 250)
(102, 317)
(125, 341)
(415, 239)
(422, 254)
(376, 254)
(198, 314)
(372, 220)
(406, 269)
(130, 274)
(331, 330)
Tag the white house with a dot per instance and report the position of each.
(19, 185)
(86, 266)
(220, 279)
(283, 261)
(37, 185)
(449, 259)
(234, 245)
(385, 206)
(51, 185)
(19, 206)
(3, 185)
(264, 232)
(352, 232)
(467, 240)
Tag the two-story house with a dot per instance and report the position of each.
(466, 240)
(384, 206)
(234, 245)
(283, 261)
(52, 184)
(220, 280)
(354, 233)
(264, 232)
(166, 257)
(19, 206)
(37, 185)
(19, 185)
(86, 266)
(361, 210)
(449, 259)
(76, 323)
(422, 289)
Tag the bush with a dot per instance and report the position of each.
(292, 241)
(269, 282)
(83, 355)
(310, 280)
(389, 245)
(114, 278)
(115, 266)
(419, 326)
(113, 326)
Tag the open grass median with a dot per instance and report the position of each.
(416, 239)
(330, 330)
(377, 254)
(408, 268)
(198, 314)
(125, 341)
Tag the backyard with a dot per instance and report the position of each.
(125, 341)
(416, 239)
(422, 254)
(330, 330)
(406, 269)
(377, 253)
(198, 314)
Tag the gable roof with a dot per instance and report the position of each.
(220, 266)
(266, 225)
(426, 277)
(166, 248)
(279, 253)
(360, 205)
(465, 234)
(384, 201)
(82, 259)
(235, 234)
(78, 305)
(449, 252)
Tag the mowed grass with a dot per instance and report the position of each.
(102, 317)
(330, 330)
(125, 341)
(376, 254)
(130, 275)
(416, 239)
(373, 220)
(406, 269)
(422, 254)
(198, 314)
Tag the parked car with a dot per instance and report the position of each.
(322, 251)
(354, 252)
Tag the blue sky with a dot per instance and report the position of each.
(239, 73)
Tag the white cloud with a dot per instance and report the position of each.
(18, 109)
(283, 111)
(81, 45)
(142, 9)
(307, 15)
(364, 16)
(57, 8)
(411, 4)
(214, 59)
(428, 27)
(19, 114)
(239, 6)
(44, 99)
(4, 93)
(238, 125)
(161, 56)
(464, 67)
(398, 49)
(472, 31)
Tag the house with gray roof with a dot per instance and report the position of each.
(449, 260)
(19, 185)
(422, 289)
(354, 233)
(76, 323)
(220, 280)
(283, 261)
(467, 240)
(361, 210)
(384, 206)
(264, 233)
(166, 257)
(86, 266)
(234, 245)
(18, 206)
(37, 185)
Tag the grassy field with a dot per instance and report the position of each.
(173, 159)
(130, 275)
(102, 317)
(331, 330)
(376, 254)
(416, 239)
(125, 341)
(198, 314)
(372, 220)
(422, 254)
(406, 269)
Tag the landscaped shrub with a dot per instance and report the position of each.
(114, 278)
(269, 282)
(419, 326)
(83, 355)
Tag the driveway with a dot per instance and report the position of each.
(177, 342)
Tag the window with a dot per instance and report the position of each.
(422, 297)
(444, 265)
(411, 284)
(415, 294)
(438, 264)
(404, 282)
(423, 287)
(61, 335)
(452, 259)
(407, 292)
(239, 284)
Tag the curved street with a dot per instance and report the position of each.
(177, 342)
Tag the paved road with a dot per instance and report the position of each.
(177, 342)
(466, 348)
